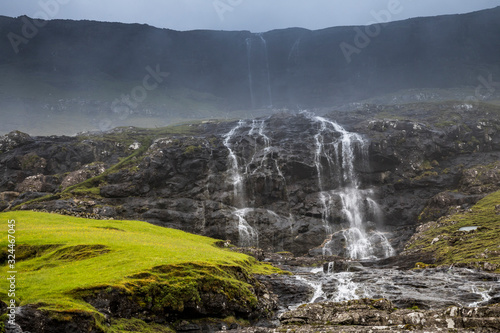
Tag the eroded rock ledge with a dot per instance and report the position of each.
(369, 315)
(421, 156)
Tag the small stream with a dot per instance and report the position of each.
(425, 288)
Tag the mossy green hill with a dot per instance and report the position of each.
(475, 248)
(62, 260)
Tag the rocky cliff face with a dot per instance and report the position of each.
(297, 183)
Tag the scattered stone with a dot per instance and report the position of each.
(13, 140)
(78, 176)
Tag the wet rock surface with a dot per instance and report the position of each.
(380, 315)
(187, 182)
(425, 288)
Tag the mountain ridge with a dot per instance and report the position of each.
(77, 67)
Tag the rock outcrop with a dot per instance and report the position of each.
(380, 315)
(416, 157)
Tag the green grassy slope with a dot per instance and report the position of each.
(60, 259)
(475, 248)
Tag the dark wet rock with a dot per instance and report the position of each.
(185, 181)
(401, 261)
(13, 140)
(32, 319)
(289, 290)
(381, 314)
(342, 266)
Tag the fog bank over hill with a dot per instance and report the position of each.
(62, 76)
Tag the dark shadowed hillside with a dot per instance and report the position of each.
(84, 70)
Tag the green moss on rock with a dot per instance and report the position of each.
(478, 248)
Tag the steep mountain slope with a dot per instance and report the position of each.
(83, 69)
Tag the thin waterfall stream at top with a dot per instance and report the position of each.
(259, 75)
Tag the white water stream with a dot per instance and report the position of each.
(239, 172)
(335, 161)
(429, 288)
(259, 75)
(338, 156)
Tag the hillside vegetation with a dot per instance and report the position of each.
(63, 260)
(478, 248)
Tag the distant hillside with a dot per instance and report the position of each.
(81, 70)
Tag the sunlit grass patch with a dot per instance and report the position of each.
(62, 258)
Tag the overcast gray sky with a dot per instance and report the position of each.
(253, 15)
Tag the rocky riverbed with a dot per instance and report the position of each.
(381, 296)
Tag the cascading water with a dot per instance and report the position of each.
(235, 175)
(266, 54)
(338, 182)
(248, 236)
(259, 75)
(250, 77)
(260, 164)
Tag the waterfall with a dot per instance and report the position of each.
(250, 78)
(252, 159)
(338, 182)
(266, 54)
(259, 75)
(349, 213)
(248, 236)
(241, 170)
(235, 175)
